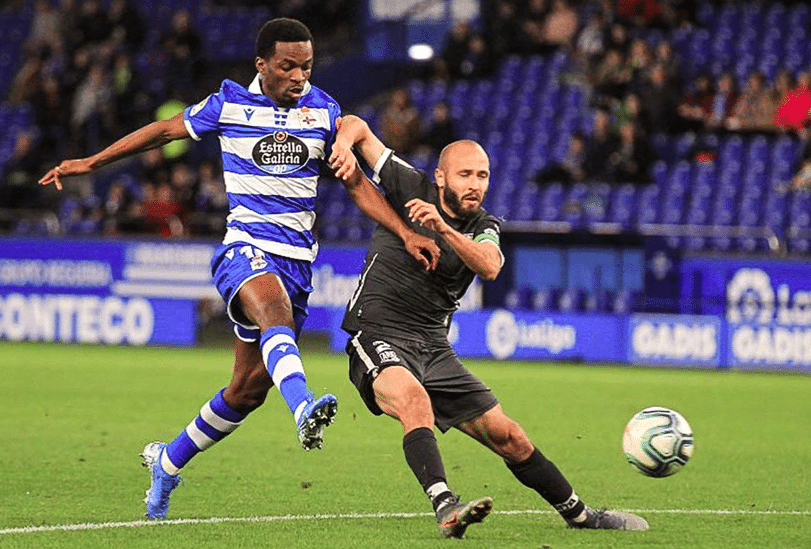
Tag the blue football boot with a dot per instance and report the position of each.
(316, 415)
(157, 497)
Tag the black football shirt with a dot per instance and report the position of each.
(395, 294)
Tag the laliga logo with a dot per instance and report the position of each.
(505, 334)
(750, 297)
(502, 334)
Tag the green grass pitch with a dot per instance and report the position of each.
(74, 419)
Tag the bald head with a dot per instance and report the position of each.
(463, 147)
(462, 177)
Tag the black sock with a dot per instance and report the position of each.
(422, 455)
(543, 476)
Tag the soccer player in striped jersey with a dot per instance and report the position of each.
(276, 137)
(398, 319)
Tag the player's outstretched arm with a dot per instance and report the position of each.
(483, 258)
(374, 205)
(148, 137)
(354, 132)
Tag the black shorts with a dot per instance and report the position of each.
(456, 393)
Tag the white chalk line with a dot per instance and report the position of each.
(352, 516)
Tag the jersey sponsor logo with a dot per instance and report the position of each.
(280, 153)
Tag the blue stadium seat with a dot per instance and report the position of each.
(648, 205)
(551, 202)
(622, 207)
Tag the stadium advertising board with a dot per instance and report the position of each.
(678, 340)
(503, 334)
(110, 292)
(766, 305)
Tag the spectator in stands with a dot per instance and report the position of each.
(456, 47)
(802, 179)
(162, 211)
(612, 76)
(183, 46)
(504, 30)
(630, 110)
(211, 198)
(754, 111)
(44, 26)
(51, 114)
(93, 24)
(600, 146)
(723, 102)
(590, 44)
(572, 169)
(21, 168)
(696, 106)
(26, 82)
(441, 130)
(532, 18)
(618, 38)
(665, 56)
(640, 13)
(560, 26)
(91, 116)
(212, 203)
(401, 124)
(478, 61)
(117, 202)
(128, 26)
(640, 61)
(660, 100)
(631, 161)
(183, 181)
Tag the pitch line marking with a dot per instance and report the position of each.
(278, 518)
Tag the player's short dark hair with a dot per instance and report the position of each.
(281, 29)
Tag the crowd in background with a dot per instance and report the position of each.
(85, 90)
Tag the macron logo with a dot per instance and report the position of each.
(248, 113)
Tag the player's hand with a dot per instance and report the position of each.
(423, 249)
(342, 160)
(425, 214)
(66, 168)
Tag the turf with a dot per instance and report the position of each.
(75, 418)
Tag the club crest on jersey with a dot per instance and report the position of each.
(280, 153)
(258, 263)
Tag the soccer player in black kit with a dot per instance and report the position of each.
(398, 318)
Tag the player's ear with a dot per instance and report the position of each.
(259, 63)
(439, 177)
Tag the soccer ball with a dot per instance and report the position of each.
(658, 442)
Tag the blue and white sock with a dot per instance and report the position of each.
(283, 361)
(215, 421)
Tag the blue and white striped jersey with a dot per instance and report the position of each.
(271, 159)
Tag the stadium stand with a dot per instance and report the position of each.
(719, 189)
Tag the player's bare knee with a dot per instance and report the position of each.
(509, 440)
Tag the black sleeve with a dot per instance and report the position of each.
(399, 180)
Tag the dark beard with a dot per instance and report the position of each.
(453, 203)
